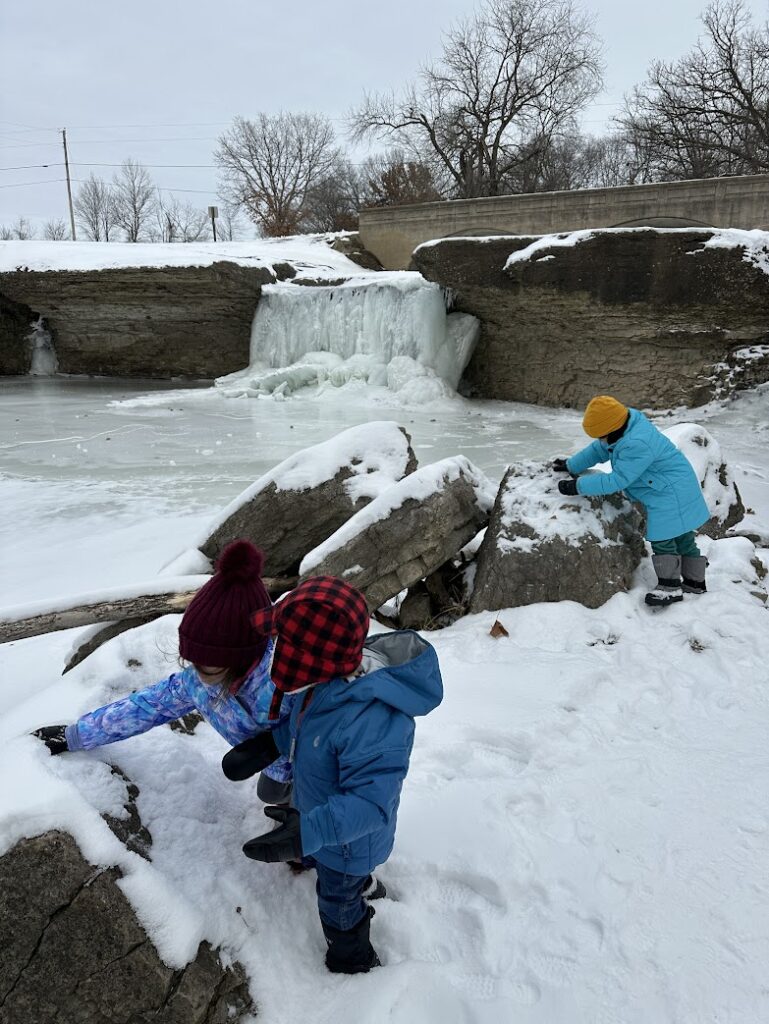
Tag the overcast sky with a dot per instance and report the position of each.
(159, 79)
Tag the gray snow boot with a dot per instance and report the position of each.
(668, 589)
(693, 572)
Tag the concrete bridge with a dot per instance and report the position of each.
(392, 233)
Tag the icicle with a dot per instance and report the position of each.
(43, 361)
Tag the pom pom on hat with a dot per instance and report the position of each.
(240, 560)
(216, 629)
(603, 416)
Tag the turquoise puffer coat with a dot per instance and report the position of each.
(350, 742)
(649, 468)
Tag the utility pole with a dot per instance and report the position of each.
(69, 185)
(213, 213)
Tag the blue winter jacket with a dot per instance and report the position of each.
(351, 741)
(649, 468)
(237, 717)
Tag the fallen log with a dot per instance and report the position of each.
(162, 596)
(96, 640)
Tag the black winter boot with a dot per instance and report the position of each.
(351, 952)
(693, 572)
(375, 889)
(668, 589)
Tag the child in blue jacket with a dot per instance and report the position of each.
(227, 680)
(649, 468)
(349, 738)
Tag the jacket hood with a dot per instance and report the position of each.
(409, 679)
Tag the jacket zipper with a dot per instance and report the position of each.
(299, 717)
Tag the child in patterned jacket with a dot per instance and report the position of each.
(227, 679)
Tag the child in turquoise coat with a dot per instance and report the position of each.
(649, 468)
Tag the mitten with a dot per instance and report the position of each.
(568, 487)
(250, 756)
(54, 737)
(284, 843)
(559, 466)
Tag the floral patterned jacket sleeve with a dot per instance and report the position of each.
(236, 716)
(162, 702)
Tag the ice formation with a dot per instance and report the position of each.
(43, 362)
(387, 329)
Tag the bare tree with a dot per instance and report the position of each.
(97, 210)
(6, 233)
(135, 200)
(20, 230)
(517, 71)
(228, 224)
(392, 179)
(270, 165)
(333, 204)
(707, 114)
(179, 222)
(55, 230)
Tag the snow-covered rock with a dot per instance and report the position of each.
(408, 531)
(542, 546)
(294, 507)
(74, 950)
(721, 493)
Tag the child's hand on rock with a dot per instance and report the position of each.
(568, 487)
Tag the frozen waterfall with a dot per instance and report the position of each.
(390, 329)
(43, 361)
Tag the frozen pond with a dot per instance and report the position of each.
(97, 493)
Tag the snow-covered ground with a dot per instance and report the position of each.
(584, 833)
(311, 255)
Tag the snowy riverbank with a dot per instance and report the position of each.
(583, 835)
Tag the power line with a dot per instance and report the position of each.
(23, 184)
(208, 167)
(31, 167)
(110, 142)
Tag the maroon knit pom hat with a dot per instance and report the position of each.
(216, 628)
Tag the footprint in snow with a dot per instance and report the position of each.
(557, 970)
(470, 890)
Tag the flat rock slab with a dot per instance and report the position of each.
(660, 318)
(140, 321)
(295, 506)
(542, 546)
(74, 951)
(406, 533)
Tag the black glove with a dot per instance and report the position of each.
(249, 757)
(284, 843)
(559, 466)
(568, 487)
(54, 737)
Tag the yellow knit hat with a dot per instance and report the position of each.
(603, 415)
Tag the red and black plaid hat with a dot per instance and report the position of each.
(320, 628)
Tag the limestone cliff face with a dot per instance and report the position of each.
(140, 322)
(653, 316)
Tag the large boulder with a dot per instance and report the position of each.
(541, 546)
(721, 493)
(652, 316)
(74, 951)
(406, 533)
(295, 506)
